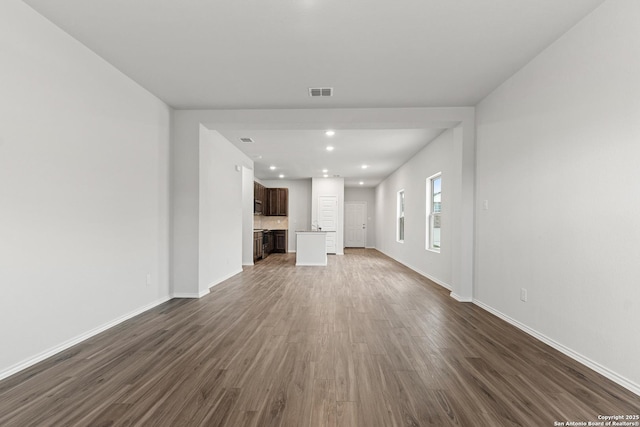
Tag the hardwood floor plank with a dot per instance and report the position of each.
(324, 406)
(110, 415)
(299, 393)
(325, 350)
(362, 342)
(372, 408)
(346, 414)
(222, 411)
(345, 370)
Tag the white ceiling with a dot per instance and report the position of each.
(302, 153)
(230, 54)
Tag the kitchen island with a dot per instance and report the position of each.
(311, 248)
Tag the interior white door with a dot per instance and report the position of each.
(328, 220)
(355, 226)
(328, 213)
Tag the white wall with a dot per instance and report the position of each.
(247, 216)
(368, 195)
(83, 191)
(557, 160)
(221, 213)
(329, 187)
(436, 157)
(299, 205)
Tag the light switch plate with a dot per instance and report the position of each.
(523, 295)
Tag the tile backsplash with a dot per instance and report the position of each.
(270, 222)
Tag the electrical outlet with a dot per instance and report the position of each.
(148, 279)
(485, 205)
(523, 295)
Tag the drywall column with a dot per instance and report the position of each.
(247, 216)
(221, 213)
(463, 211)
(185, 172)
(200, 230)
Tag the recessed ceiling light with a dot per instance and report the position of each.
(330, 132)
(364, 166)
(361, 183)
(325, 175)
(325, 170)
(329, 148)
(281, 176)
(272, 168)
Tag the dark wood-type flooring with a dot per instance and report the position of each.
(362, 342)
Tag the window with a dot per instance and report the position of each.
(400, 233)
(434, 209)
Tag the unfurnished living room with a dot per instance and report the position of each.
(320, 213)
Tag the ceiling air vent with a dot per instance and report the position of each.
(320, 91)
(246, 140)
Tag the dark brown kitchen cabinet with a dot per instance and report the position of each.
(262, 191)
(280, 238)
(277, 202)
(257, 245)
(270, 201)
(268, 243)
(259, 199)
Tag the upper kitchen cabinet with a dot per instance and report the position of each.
(270, 201)
(277, 202)
(260, 199)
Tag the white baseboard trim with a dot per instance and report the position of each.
(222, 279)
(613, 376)
(78, 339)
(190, 294)
(206, 291)
(292, 252)
(420, 272)
(430, 277)
(459, 298)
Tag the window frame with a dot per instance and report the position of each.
(400, 215)
(432, 215)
